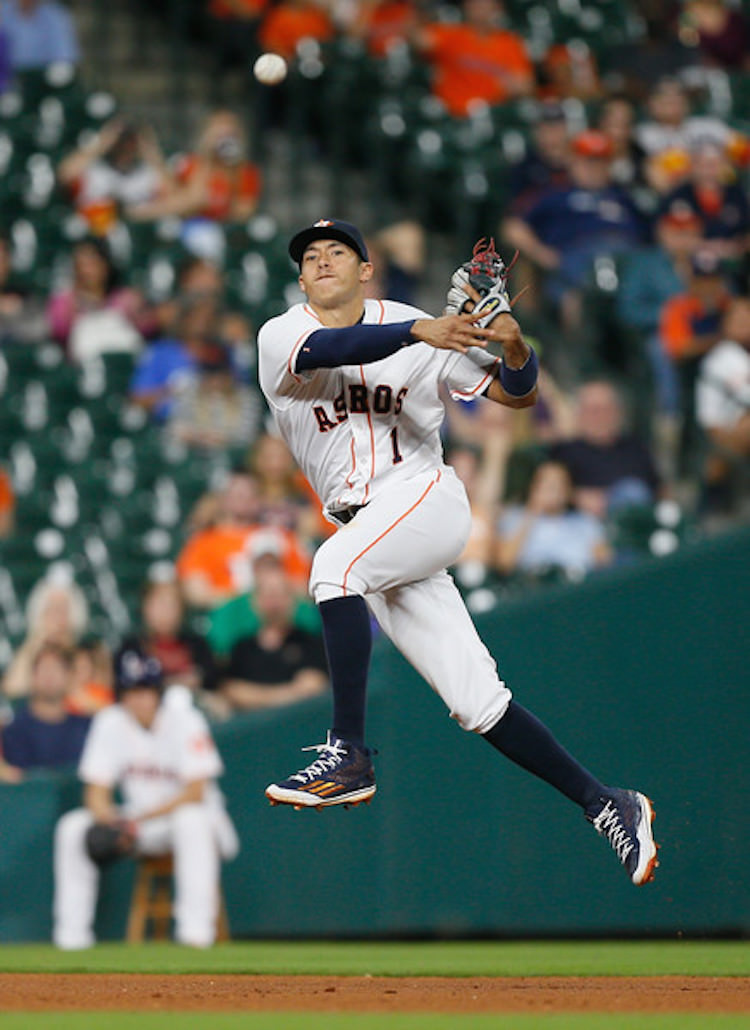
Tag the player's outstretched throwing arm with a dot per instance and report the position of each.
(362, 344)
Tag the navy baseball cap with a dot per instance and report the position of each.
(328, 229)
(134, 668)
(705, 263)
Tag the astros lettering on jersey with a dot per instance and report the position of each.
(389, 410)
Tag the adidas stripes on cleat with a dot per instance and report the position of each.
(342, 775)
(625, 818)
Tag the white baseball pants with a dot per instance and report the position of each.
(394, 553)
(188, 832)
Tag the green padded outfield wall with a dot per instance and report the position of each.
(642, 672)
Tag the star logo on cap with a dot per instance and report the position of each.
(322, 223)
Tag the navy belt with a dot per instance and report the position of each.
(345, 515)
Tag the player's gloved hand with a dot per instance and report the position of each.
(484, 275)
(107, 841)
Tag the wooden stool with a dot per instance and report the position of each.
(152, 900)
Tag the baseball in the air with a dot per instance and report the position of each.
(270, 69)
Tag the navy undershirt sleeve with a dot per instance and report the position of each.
(353, 345)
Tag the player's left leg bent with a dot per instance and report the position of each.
(406, 533)
(429, 624)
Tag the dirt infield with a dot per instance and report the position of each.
(71, 991)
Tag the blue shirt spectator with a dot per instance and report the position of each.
(40, 33)
(32, 743)
(43, 733)
(158, 374)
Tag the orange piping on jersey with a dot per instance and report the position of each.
(488, 377)
(387, 531)
(382, 312)
(310, 311)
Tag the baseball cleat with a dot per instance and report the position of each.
(341, 775)
(625, 819)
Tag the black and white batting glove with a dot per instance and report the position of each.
(488, 274)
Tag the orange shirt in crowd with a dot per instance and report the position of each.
(387, 23)
(224, 556)
(676, 324)
(248, 8)
(472, 66)
(7, 503)
(284, 26)
(225, 185)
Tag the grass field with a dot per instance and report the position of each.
(361, 1021)
(377, 958)
(451, 959)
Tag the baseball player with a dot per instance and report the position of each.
(158, 751)
(353, 385)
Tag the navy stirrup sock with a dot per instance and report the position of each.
(348, 640)
(520, 736)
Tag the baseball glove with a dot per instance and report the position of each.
(107, 841)
(488, 274)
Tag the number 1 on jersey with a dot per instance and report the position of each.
(397, 455)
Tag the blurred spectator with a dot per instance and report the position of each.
(548, 532)
(7, 504)
(168, 363)
(475, 59)
(216, 183)
(213, 410)
(185, 656)
(238, 617)
(398, 256)
(197, 278)
(281, 502)
(120, 168)
(216, 563)
(718, 200)
(545, 164)
(22, 318)
(609, 467)
(690, 321)
(290, 21)
(723, 407)
(6, 72)
(40, 32)
(281, 663)
(91, 678)
(56, 613)
(95, 289)
(569, 70)
(617, 121)
(567, 228)
(648, 280)
(669, 135)
(722, 32)
(43, 733)
(383, 24)
(482, 479)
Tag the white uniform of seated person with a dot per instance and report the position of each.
(157, 749)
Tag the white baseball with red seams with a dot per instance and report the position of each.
(369, 435)
(270, 69)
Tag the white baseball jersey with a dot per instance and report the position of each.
(390, 410)
(358, 429)
(150, 766)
